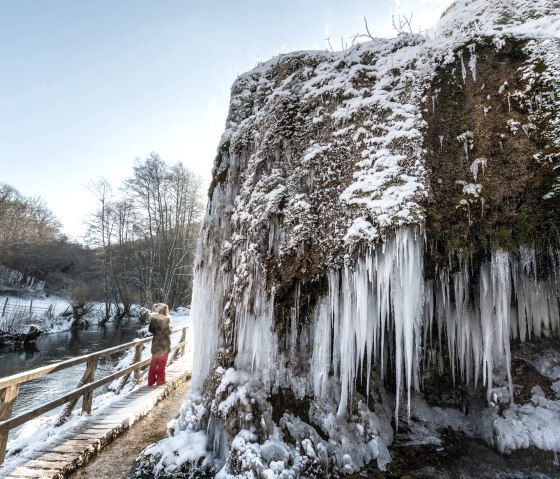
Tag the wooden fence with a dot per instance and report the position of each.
(23, 307)
(14, 314)
(9, 386)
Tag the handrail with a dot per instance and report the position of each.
(9, 387)
(76, 393)
(51, 368)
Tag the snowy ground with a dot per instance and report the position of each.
(35, 309)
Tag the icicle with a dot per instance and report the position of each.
(463, 69)
(208, 294)
(466, 139)
(407, 303)
(441, 137)
(435, 94)
(501, 284)
(482, 162)
(472, 60)
(255, 340)
(539, 100)
(382, 286)
(537, 303)
(486, 317)
(510, 302)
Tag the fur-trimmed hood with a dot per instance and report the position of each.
(160, 316)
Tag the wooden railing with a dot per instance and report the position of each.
(9, 386)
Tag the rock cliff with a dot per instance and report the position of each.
(381, 220)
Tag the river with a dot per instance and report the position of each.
(57, 347)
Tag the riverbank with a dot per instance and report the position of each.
(22, 311)
(25, 315)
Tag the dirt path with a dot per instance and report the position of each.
(116, 461)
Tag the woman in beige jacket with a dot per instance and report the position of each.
(160, 327)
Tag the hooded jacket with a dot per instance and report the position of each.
(160, 327)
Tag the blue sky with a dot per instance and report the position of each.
(87, 86)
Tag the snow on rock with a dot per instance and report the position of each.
(309, 279)
(528, 425)
(467, 17)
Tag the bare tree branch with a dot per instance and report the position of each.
(404, 26)
(369, 35)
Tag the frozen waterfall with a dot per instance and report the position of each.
(380, 312)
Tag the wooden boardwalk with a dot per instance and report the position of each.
(66, 452)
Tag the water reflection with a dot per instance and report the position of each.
(29, 350)
(59, 347)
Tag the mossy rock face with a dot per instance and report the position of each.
(539, 223)
(285, 401)
(300, 296)
(501, 239)
(485, 146)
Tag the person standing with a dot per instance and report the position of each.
(160, 327)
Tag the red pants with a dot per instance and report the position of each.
(157, 369)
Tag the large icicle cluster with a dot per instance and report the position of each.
(315, 283)
(374, 312)
(510, 302)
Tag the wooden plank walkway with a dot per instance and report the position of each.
(68, 451)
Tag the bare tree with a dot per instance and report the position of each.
(402, 25)
(25, 219)
(99, 235)
(147, 238)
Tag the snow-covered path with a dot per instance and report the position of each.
(67, 452)
(118, 460)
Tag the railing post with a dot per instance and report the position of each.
(7, 398)
(89, 376)
(181, 351)
(184, 338)
(137, 373)
(137, 359)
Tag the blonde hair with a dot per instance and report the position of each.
(161, 308)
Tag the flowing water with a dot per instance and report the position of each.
(57, 347)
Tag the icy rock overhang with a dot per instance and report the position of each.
(374, 214)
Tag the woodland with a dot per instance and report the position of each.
(139, 245)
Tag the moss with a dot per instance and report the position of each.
(539, 224)
(514, 183)
(456, 246)
(502, 239)
(513, 51)
(540, 67)
(220, 174)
